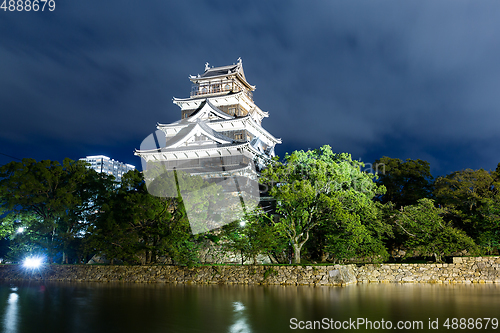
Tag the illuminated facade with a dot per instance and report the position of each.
(219, 133)
(104, 164)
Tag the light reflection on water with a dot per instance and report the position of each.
(63, 307)
(10, 319)
(240, 325)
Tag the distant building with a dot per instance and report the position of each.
(104, 164)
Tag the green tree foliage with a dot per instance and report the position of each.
(134, 226)
(425, 233)
(24, 239)
(47, 191)
(7, 227)
(489, 237)
(464, 189)
(324, 209)
(255, 234)
(356, 234)
(322, 190)
(496, 177)
(472, 200)
(405, 182)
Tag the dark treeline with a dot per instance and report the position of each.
(325, 208)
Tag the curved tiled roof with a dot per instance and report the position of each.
(214, 72)
(218, 112)
(217, 71)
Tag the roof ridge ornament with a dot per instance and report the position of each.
(240, 61)
(207, 66)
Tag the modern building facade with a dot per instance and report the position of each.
(104, 164)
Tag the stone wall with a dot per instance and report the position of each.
(462, 270)
(335, 275)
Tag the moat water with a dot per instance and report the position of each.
(147, 308)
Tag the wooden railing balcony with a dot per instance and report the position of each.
(216, 88)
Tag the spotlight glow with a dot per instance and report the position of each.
(32, 262)
(20, 230)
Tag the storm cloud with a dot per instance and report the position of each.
(412, 79)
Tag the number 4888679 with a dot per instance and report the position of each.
(28, 5)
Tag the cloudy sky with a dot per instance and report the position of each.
(405, 79)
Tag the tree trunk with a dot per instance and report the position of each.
(296, 252)
(272, 259)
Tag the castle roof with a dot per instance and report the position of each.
(223, 125)
(198, 127)
(222, 72)
(218, 71)
(205, 109)
(212, 150)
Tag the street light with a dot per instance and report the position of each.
(33, 262)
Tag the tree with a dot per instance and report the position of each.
(19, 230)
(48, 191)
(424, 231)
(313, 187)
(7, 227)
(405, 182)
(255, 234)
(472, 201)
(489, 235)
(356, 232)
(134, 224)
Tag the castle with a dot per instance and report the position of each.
(219, 136)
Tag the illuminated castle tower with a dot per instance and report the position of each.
(219, 133)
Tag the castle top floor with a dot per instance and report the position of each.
(223, 80)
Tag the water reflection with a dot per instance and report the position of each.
(65, 307)
(240, 325)
(10, 318)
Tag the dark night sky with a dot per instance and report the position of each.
(405, 79)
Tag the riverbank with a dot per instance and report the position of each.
(462, 270)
